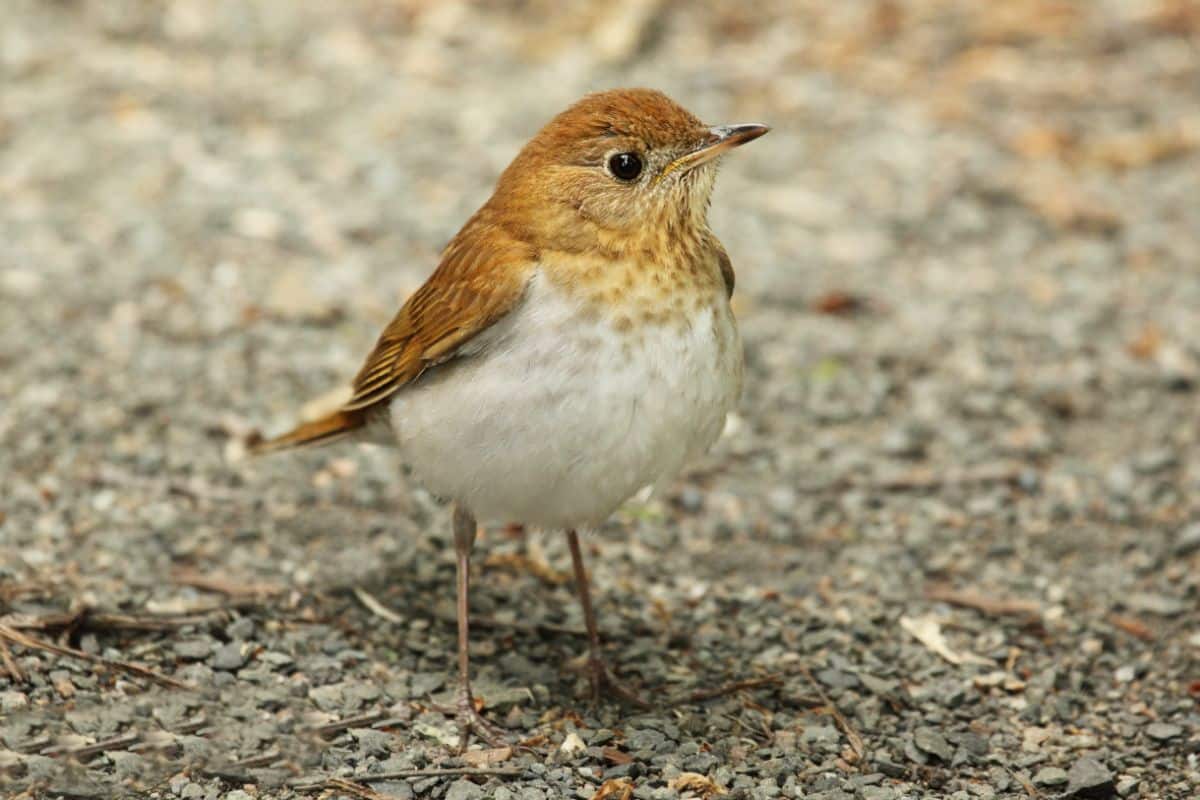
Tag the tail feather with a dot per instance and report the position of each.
(327, 429)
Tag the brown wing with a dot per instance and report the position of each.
(481, 278)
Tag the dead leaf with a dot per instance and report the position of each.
(1139, 148)
(1042, 142)
(1145, 345)
(839, 303)
(1131, 625)
(486, 758)
(993, 606)
(1068, 207)
(928, 631)
(615, 789)
(615, 756)
(700, 785)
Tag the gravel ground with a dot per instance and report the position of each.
(950, 544)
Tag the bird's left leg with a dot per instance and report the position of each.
(601, 677)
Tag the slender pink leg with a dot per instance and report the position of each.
(602, 679)
(469, 718)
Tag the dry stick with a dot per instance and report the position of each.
(701, 695)
(1025, 784)
(100, 621)
(922, 479)
(999, 606)
(856, 742)
(356, 789)
(121, 742)
(401, 774)
(10, 664)
(348, 722)
(16, 637)
(225, 586)
(230, 772)
(377, 608)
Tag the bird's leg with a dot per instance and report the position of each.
(469, 718)
(602, 679)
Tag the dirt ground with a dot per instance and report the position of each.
(948, 548)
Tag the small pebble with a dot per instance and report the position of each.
(1163, 731)
(1050, 776)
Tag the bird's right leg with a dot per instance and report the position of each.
(469, 719)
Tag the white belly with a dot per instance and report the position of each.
(559, 418)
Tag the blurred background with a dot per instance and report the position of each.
(968, 263)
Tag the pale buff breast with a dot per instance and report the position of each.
(571, 405)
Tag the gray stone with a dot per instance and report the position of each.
(464, 789)
(12, 701)
(1163, 731)
(931, 741)
(1050, 776)
(372, 742)
(1187, 541)
(231, 656)
(1088, 778)
(193, 649)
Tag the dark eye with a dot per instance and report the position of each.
(626, 166)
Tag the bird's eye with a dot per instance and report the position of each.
(626, 166)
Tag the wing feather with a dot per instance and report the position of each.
(481, 278)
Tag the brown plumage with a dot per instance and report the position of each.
(575, 343)
(538, 207)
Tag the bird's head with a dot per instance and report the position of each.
(616, 167)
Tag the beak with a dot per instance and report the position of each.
(718, 140)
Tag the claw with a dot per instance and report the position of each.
(605, 683)
(470, 721)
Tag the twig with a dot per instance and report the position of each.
(348, 722)
(225, 586)
(16, 637)
(925, 479)
(375, 607)
(856, 742)
(1025, 784)
(355, 789)
(701, 695)
(1131, 625)
(993, 606)
(121, 742)
(101, 621)
(231, 772)
(321, 782)
(10, 664)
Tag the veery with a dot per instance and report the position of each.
(574, 345)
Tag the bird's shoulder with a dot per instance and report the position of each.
(481, 278)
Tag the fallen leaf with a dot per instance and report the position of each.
(615, 756)
(839, 303)
(928, 631)
(1131, 625)
(1145, 345)
(700, 785)
(615, 789)
(484, 758)
(572, 745)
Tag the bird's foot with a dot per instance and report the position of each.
(470, 721)
(604, 683)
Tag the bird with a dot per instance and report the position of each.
(574, 345)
